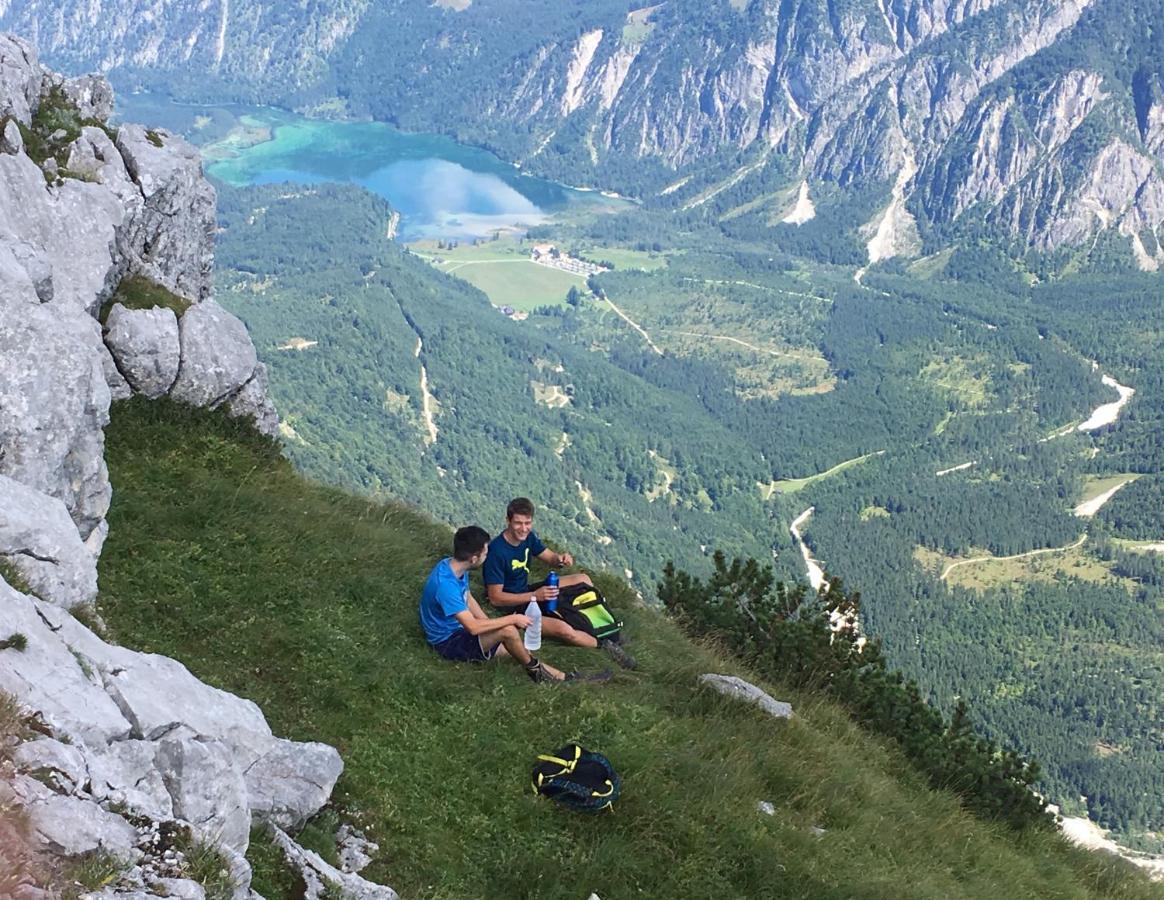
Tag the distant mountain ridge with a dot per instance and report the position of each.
(1040, 120)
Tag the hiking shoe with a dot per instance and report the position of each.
(539, 675)
(595, 678)
(617, 653)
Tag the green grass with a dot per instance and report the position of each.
(795, 485)
(625, 259)
(138, 292)
(304, 599)
(1094, 485)
(502, 270)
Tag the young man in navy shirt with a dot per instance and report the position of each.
(507, 586)
(454, 623)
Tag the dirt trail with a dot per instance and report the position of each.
(635, 325)
(984, 559)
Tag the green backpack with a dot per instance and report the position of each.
(577, 778)
(584, 609)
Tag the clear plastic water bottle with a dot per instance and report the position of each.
(533, 634)
(552, 581)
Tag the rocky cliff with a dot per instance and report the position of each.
(105, 255)
(1038, 120)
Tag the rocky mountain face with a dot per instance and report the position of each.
(1040, 120)
(129, 747)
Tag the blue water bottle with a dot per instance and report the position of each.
(552, 581)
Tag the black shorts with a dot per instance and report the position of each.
(464, 647)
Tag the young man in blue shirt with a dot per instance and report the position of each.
(453, 621)
(507, 584)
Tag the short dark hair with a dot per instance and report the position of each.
(519, 506)
(468, 542)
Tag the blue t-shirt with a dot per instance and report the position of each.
(443, 597)
(508, 565)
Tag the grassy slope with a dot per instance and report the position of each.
(303, 598)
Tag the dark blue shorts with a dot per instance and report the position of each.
(464, 647)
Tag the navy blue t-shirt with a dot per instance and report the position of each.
(508, 565)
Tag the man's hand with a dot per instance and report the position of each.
(565, 559)
(520, 620)
(545, 592)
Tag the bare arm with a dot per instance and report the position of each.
(498, 597)
(556, 560)
(476, 626)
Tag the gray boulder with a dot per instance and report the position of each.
(64, 764)
(170, 238)
(218, 357)
(119, 388)
(39, 539)
(54, 405)
(127, 773)
(738, 689)
(208, 790)
(92, 96)
(179, 888)
(20, 78)
(160, 698)
(52, 676)
(292, 781)
(145, 346)
(70, 826)
(11, 140)
(254, 402)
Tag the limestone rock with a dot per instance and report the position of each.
(49, 678)
(737, 688)
(145, 346)
(20, 78)
(208, 789)
(126, 772)
(322, 879)
(354, 849)
(92, 96)
(217, 355)
(15, 283)
(71, 826)
(62, 762)
(292, 781)
(170, 238)
(159, 697)
(254, 402)
(119, 388)
(95, 155)
(54, 405)
(40, 540)
(39, 269)
(179, 888)
(72, 226)
(11, 141)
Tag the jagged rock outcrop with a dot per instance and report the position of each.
(134, 744)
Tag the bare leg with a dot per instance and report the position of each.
(510, 640)
(558, 630)
(579, 578)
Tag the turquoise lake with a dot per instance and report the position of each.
(442, 189)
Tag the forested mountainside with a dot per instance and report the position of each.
(1040, 120)
(930, 419)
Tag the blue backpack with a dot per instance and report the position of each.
(577, 778)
